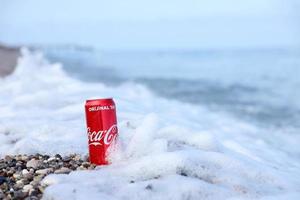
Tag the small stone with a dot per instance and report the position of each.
(73, 163)
(86, 164)
(31, 198)
(46, 157)
(27, 188)
(12, 163)
(77, 157)
(2, 166)
(51, 159)
(4, 186)
(19, 195)
(24, 157)
(11, 172)
(18, 157)
(33, 192)
(2, 179)
(62, 170)
(149, 187)
(67, 159)
(26, 181)
(8, 158)
(1, 194)
(19, 181)
(38, 178)
(17, 176)
(80, 168)
(19, 184)
(28, 176)
(37, 156)
(60, 164)
(91, 167)
(58, 156)
(44, 171)
(73, 168)
(35, 183)
(34, 164)
(19, 164)
(25, 171)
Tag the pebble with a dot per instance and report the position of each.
(8, 158)
(21, 175)
(33, 163)
(2, 179)
(77, 157)
(17, 175)
(19, 184)
(24, 157)
(27, 188)
(63, 170)
(39, 177)
(85, 164)
(51, 159)
(28, 176)
(19, 194)
(35, 183)
(25, 171)
(58, 156)
(67, 159)
(31, 198)
(80, 168)
(33, 192)
(1, 194)
(44, 171)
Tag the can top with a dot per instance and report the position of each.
(99, 101)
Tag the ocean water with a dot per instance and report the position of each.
(258, 85)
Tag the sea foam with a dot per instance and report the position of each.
(167, 149)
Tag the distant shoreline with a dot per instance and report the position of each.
(8, 59)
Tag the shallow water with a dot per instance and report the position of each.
(258, 85)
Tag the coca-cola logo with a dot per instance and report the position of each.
(107, 136)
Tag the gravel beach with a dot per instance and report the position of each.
(21, 175)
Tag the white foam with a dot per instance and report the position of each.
(168, 150)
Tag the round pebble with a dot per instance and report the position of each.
(33, 163)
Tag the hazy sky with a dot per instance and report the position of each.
(151, 24)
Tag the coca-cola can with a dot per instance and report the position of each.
(102, 130)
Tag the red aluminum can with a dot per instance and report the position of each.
(101, 121)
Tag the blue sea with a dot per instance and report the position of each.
(259, 85)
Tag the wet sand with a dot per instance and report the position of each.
(8, 59)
